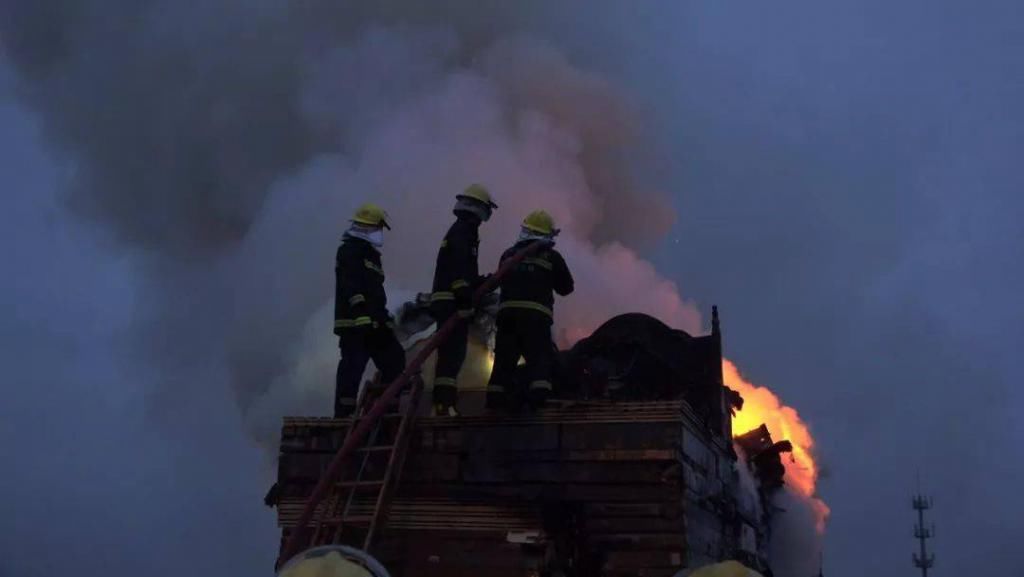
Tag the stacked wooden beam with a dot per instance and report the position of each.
(594, 488)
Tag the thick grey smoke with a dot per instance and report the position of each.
(459, 127)
(230, 143)
(795, 547)
(92, 484)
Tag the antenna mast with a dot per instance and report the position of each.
(924, 561)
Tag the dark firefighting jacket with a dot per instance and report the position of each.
(457, 271)
(359, 297)
(531, 284)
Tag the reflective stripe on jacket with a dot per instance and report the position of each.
(359, 297)
(457, 268)
(533, 282)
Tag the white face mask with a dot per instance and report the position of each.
(527, 234)
(374, 236)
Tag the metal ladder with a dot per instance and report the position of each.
(358, 503)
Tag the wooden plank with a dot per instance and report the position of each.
(602, 443)
(488, 440)
(431, 467)
(658, 509)
(632, 525)
(622, 493)
(436, 514)
(644, 559)
(478, 470)
(297, 467)
(545, 491)
(627, 436)
(638, 541)
(598, 411)
(592, 455)
(311, 439)
(302, 466)
(595, 455)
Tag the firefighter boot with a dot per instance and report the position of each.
(497, 399)
(538, 395)
(445, 397)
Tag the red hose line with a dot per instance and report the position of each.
(364, 425)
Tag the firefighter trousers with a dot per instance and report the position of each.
(358, 346)
(522, 333)
(450, 355)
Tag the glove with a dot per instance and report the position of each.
(480, 280)
(381, 319)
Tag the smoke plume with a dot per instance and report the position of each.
(795, 547)
(228, 144)
(224, 146)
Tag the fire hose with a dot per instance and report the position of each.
(367, 422)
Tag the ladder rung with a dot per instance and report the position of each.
(376, 448)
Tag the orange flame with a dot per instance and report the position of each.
(760, 405)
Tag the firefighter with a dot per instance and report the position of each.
(361, 320)
(456, 277)
(525, 315)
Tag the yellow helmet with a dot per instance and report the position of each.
(478, 192)
(330, 565)
(540, 222)
(333, 561)
(371, 215)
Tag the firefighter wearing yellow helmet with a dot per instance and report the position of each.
(541, 224)
(525, 315)
(361, 320)
(333, 561)
(456, 276)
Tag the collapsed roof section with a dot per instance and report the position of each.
(764, 456)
